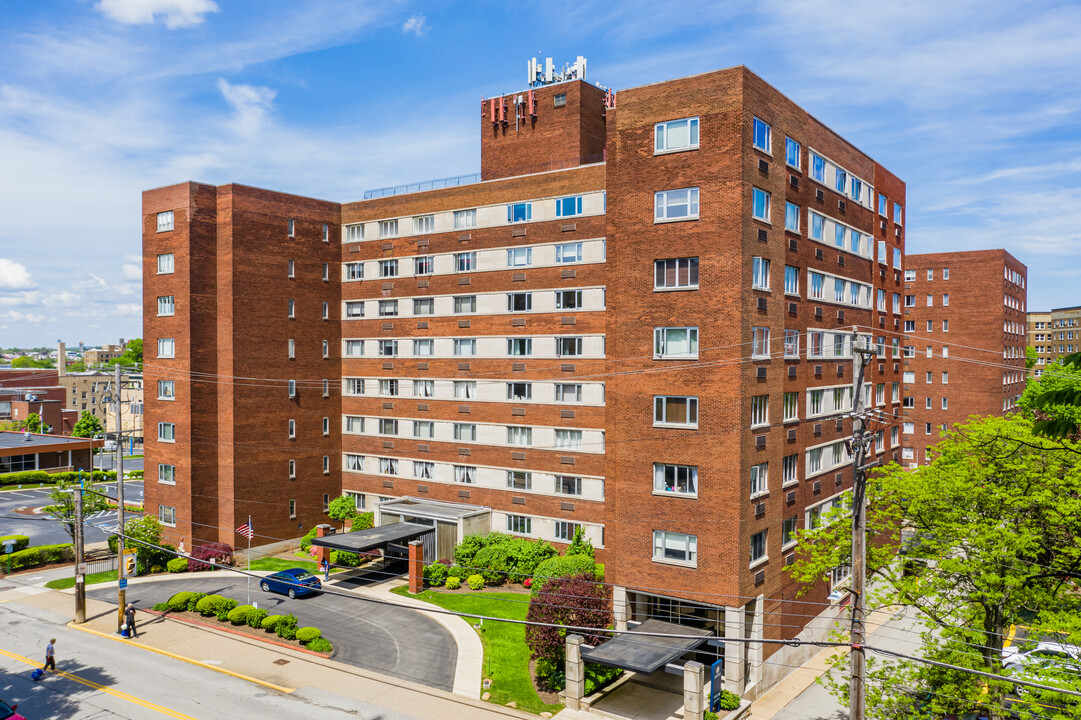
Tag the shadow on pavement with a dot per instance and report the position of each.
(364, 577)
(53, 696)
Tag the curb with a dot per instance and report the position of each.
(228, 629)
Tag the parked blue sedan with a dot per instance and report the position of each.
(294, 582)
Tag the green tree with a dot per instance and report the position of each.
(25, 361)
(33, 423)
(991, 530)
(1030, 357)
(88, 426)
(132, 355)
(62, 504)
(1055, 398)
(345, 508)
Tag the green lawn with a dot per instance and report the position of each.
(506, 656)
(65, 583)
(274, 564)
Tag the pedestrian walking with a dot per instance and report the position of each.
(50, 655)
(326, 570)
(129, 620)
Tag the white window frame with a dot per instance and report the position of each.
(663, 205)
(661, 547)
(663, 142)
(166, 221)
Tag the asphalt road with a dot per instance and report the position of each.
(393, 641)
(108, 462)
(108, 679)
(43, 530)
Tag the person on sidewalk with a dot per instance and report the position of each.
(326, 570)
(50, 655)
(129, 620)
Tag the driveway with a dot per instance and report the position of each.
(393, 641)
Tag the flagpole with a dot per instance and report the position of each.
(251, 531)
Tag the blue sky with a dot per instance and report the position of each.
(976, 105)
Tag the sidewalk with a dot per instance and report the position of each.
(275, 668)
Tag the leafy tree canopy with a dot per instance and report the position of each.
(88, 426)
(990, 532)
(25, 361)
(1054, 399)
(62, 506)
(132, 355)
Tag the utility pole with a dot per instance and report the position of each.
(858, 445)
(80, 558)
(121, 589)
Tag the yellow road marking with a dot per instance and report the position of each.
(97, 686)
(174, 656)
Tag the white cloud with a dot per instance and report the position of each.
(90, 281)
(129, 309)
(22, 317)
(132, 272)
(250, 102)
(14, 276)
(417, 24)
(176, 13)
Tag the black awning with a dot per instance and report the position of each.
(360, 541)
(647, 654)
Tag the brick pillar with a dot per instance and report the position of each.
(416, 566)
(321, 553)
(575, 674)
(694, 696)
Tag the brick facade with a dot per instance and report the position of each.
(1052, 335)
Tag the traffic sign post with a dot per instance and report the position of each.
(716, 684)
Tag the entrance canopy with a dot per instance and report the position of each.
(647, 654)
(360, 541)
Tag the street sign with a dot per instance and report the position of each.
(716, 684)
(123, 583)
(9, 546)
(82, 569)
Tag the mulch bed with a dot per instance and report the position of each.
(194, 618)
(548, 698)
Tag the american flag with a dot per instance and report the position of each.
(246, 531)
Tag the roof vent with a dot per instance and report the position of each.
(28, 437)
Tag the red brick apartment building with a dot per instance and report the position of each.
(964, 347)
(637, 322)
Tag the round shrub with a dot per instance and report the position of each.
(436, 574)
(561, 566)
(287, 627)
(194, 600)
(453, 583)
(177, 565)
(208, 605)
(270, 622)
(306, 634)
(179, 601)
(475, 582)
(224, 607)
(255, 618)
(156, 569)
(161, 607)
(239, 614)
(494, 563)
(341, 557)
(321, 645)
(728, 700)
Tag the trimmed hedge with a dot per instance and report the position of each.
(215, 605)
(40, 477)
(40, 555)
(177, 565)
(21, 542)
(321, 644)
(475, 582)
(306, 634)
(239, 614)
(562, 566)
(453, 583)
(499, 557)
(255, 618)
(270, 622)
(180, 601)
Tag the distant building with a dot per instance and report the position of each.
(1054, 334)
(32, 451)
(105, 353)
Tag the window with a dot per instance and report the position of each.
(166, 432)
(166, 347)
(569, 439)
(165, 221)
(762, 132)
(465, 219)
(519, 347)
(569, 253)
(791, 280)
(166, 514)
(388, 268)
(788, 531)
(675, 205)
(423, 306)
(388, 426)
(882, 205)
(945, 378)
(465, 474)
(326, 310)
(760, 273)
(519, 302)
(519, 524)
(354, 462)
(675, 410)
(423, 429)
(675, 135)
(675, 273)
(675, 547)
(945, 273)
(569, 206)
(760, 342)
(945, 403)
(388, 308)
(945, 326)
(423, 388)
(897, 258)
(388, 466)
(759, 410)
(424, 265)
(388, 228)
(818, 226)
(354, 386)
(388, 348)
(791, 152)
(292, 227)
(790, 470)
(465, 389)
(388, 388)
(818, 285)
(676, 479)
(760, 204)
(568, 346)
(568, 393)
(791, 406)
(166, 306)
(519, 257)
(465, 432)
(675, 342)
(945, 299)
(465, 304)
(759, 478)
(565, 530)
(354, 233)
(166, 474)
(898, 213)
(519, 480)
(519, 212)
(326, 272)
(166, 390)
(165, 264)
(354, 348)
(354, 270)
(518, 435)
(791, 343)
(519, 391)
(568, 299)
(818, 167)
(791, 217)
(465, 347)
(465, 261)
(292, 425)
(423, 348)
(423, 224)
